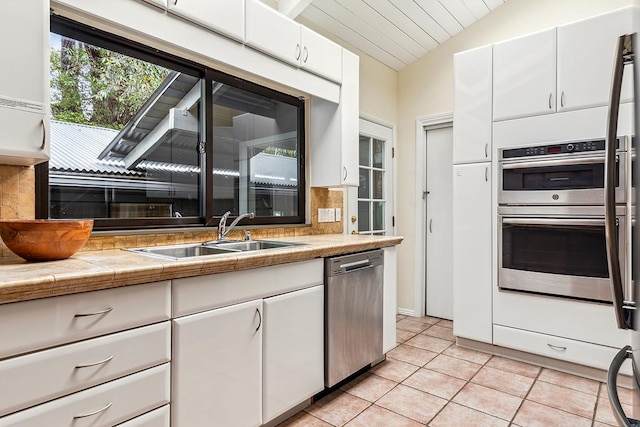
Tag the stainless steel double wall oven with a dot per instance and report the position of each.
(552, 236)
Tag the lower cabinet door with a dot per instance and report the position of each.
(105, 405)
(293, 350)
(216, 367)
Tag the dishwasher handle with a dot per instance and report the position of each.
(356, 264)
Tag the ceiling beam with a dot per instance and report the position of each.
(292, 8)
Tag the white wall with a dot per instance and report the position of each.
(426, 88)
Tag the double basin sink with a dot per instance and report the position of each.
(211, 248)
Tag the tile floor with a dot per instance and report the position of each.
(428, 380)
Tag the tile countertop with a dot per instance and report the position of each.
(87, 271)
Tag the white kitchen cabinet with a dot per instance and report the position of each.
(223, 16)
(472, 251)
(24, 82)
(276, 34)
(217, 367)
(334, 131)
(573, 351)
(390, 298)
(105, 405)
(472, 101)
(586, 51)
(42, 323)
(524, 76)
(320, 55)
(293, 350)
(44, 375)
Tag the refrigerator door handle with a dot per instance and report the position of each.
(612, 390)
(613, 257)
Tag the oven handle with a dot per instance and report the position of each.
(554, 221)
(613, 256)
(555, 162)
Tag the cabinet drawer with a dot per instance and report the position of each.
(32, 325)
(104, 405)
(596, 356)
(45, 375)
(157, 418)
(195, 294)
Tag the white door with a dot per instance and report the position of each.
(439, 226)
(371, 204)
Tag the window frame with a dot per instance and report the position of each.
(87, 34)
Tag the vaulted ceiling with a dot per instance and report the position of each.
(395, 32)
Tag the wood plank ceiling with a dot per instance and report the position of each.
(395, 32)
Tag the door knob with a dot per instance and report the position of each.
(354, 232)
(354, 218)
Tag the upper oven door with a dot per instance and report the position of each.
(562, 180)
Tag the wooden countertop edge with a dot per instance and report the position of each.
(96, 270)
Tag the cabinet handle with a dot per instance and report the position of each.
(88, 365)
(297, 51)
(260, 317)
(562, 99)
(486, 174)
(431, 225)
(550, 99)
(89, 414)
(175, 2)
(344, 168)
(486, 150)
(94, 313)
(305, 55)
(556, 347)
(44, 135)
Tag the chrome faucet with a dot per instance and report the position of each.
(223, 230)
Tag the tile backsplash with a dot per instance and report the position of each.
(17, 201)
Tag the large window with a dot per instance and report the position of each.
(143, 139)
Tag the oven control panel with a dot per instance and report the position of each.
(564, 148)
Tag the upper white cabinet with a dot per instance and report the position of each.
(472, 105)
(586, 51)
(564, 68)
(24, 82)
(274, 33)
(524, 76)
(334, 131)
(320, 55)
(223, 16)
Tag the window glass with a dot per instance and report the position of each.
(124, 136)
(256, 158)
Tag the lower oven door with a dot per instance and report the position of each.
(562, 256)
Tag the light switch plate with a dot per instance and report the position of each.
(338, 214)
(326, 215)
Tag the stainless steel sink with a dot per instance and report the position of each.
(252, 245)
(210, 248)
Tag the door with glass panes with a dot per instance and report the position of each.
(371, 204)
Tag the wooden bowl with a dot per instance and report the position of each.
(45, 239)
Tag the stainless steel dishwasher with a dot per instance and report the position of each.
(353, 314)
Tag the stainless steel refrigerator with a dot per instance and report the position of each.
(626, 301)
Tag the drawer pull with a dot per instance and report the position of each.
(89, 414)
(88, 365)
(94, 313)
(557, 347)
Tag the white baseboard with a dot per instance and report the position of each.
(406, 312)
